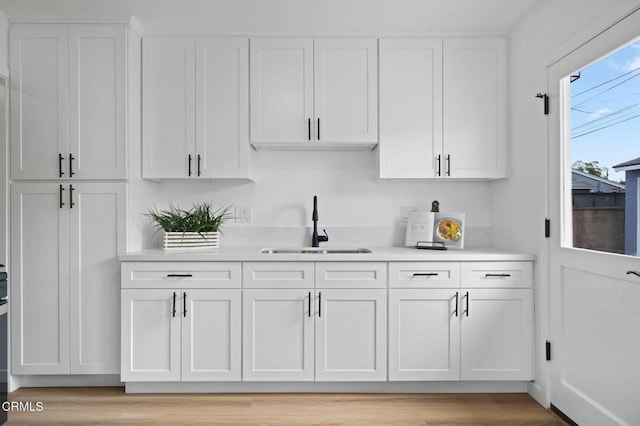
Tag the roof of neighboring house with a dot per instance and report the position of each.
(585, 181)
(628, 165)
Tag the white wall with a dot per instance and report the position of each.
(519, 204)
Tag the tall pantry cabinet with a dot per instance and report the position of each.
(68, 194)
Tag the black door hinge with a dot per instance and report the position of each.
(544, 97)
(548, 350)
(547, 228)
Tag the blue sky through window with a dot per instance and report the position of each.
(605, 110)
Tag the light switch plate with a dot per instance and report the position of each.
(243, 214)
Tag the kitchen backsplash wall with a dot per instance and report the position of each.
(354, 206)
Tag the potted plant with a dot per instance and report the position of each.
(198, 227)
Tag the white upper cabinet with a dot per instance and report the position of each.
(70, 121)
(443, 108)
(195, 108)
(474, 111)
(309, 93)
(410, 107)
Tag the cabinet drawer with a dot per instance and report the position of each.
(181, 274)
(351, 275)
(277, 275)
(497, 274)
(424, 274)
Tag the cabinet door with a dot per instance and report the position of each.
(38, 101)
(281, 90)
(475, 132)
(39, 280)
(210, 335)
(346, 90)
(424, 335)
(497, 335)
(168, 105)
(97, 101)
(410, 108)
(222, 108)
(150, 336)
(278, 335)
(351, 335)
(97, 237)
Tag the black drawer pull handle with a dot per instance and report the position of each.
(636, 273)
(448, 165)
(320, 304)
(184, 306)
(60, 158)
(71, 203)
(189, 164)
(71, 158)
(309, 304)
(199, 159)
(61, 202)
(439, 172)
(174, 304)
(425, 274)
(318, 128)
(309, 129)
(467, 310)
(456, 311)
(497, 275)
(179, 275)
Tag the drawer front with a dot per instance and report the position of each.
(497, 274)
(351, 275)
(181, 275)
(277, 274)
(424, 274)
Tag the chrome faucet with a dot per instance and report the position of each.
(315, 238)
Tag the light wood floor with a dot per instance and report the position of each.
(67, 406)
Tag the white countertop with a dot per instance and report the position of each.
(378, 254)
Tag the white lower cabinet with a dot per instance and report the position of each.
(187, 335)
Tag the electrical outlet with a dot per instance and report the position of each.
(404, 212)
(243, 215)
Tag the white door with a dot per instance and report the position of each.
(211, 331)
(150, 335)
(496, 334)
(351, 335)
(282, 90)
(97, 237)
(222, 107)
(39, 101)
(424, 334)
(410, 107)
(168, 105)
(39, 279)
(474, 112)
(97, 102)
(595, 373)
(278, 335)
(346, 90)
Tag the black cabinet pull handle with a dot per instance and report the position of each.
(71, 203)
(320, 304)
(467, 310)
(179, 275)
(497, 275)
(456, 311)
(174, 304)
(439, 165)
(309, 304)
(71, 158)
(318, 128)
(308, 128)
(199, 164)
(189, 164)
(61, 202)
(184, 306)
(425, 274)
(60, 158)
(448, 165)
(636, 273)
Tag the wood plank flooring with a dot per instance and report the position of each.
(75, 406)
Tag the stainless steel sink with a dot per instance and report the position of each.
(315, 250)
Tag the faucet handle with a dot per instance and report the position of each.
(323, 238)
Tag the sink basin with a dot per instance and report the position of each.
(315, 250)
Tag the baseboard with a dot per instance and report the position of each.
(538, 393)
(69, 381)
(326, 387)
(563, 416)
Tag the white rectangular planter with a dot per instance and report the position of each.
(191, 240)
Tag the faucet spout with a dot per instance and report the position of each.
(315, 238)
